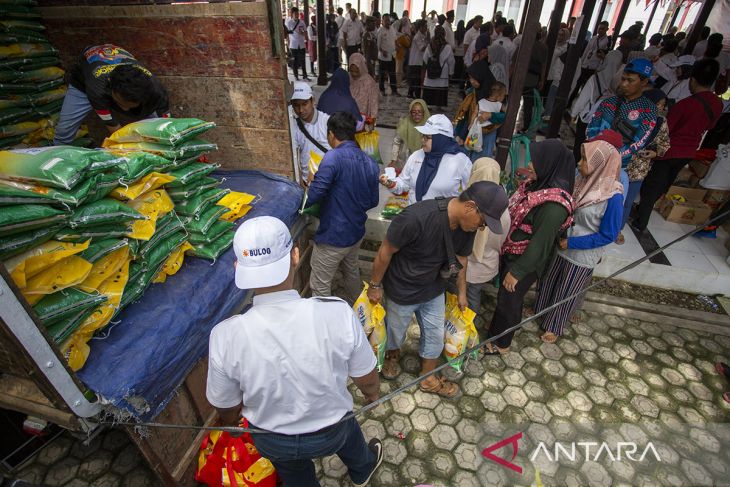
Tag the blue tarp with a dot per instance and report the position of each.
(158, 339)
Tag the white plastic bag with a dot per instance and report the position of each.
(718, 176)
(473, 140)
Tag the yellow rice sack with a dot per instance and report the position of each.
(32, 261)
(104, 268)
(237, 203)
(173, 263)
(65, 273)
(460, 334)
(372, 319)
(149, 182)
(152, 205)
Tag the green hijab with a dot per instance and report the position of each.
(407, 127)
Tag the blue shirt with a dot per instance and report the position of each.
(609, 229)
(346, 186)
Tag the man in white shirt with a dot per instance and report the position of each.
(432, 21)
(590, 61)
(415, 58)
(352, 32)
(310, 129)
(472, 34)
(284, 364)
(699, 51)
(386, 55)
(297, 42)
(449, 29)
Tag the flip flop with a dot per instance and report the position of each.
(723, 369)
(442, 387)
(549, 337)
(390, 368)
(620, 239)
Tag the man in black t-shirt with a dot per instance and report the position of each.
(109, 79)
(414, 262)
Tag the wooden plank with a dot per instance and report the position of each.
(181, 472)
(245, 148)
(145, 447)
(195, 383)
(24, 396)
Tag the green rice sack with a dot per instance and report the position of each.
(206, 220)
(215, 231)
(99, 248)
(192, 188)
(199, 203)
(213, 250)
(185, 175)
(20, 242)
(187, 150)
(112, 230)
(60, 330)
(66, 303)
(103, 212)
(16, 192)
(166, 131)
(22, 218)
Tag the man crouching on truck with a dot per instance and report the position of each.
(109, 79)
(288, 358)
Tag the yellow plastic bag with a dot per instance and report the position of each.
(369, 142)
(104, 268)
(149, 182)
(65, 273)
(152, 205)
(26, 265)
(75, 349)
(460, 334)
(372, 318)
(314, 160)
(173, 263)
(238, 204)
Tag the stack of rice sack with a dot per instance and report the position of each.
(207, 212)
(31, 82)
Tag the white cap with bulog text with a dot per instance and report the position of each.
(262, 246)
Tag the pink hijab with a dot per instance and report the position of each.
(604, 164)
(364, 89)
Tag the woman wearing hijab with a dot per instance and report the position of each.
(600, 86)
(363, 87)
(540, 211)
(498, 62)
(337, 97)
(483, 263)
(438, 169)
(598, 198)
(407, 139)
(438, 52)
(480, 80)
(459, 51)
(641, 161)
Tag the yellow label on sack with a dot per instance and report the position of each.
(152, 181)
(459, 327)
(152, 205)
(314, 161)
(26, 265)
(65, 273)
(104, 268)
(261, 469)
(232, 216)
(238, 203)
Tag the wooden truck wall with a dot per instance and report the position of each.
(221, 62)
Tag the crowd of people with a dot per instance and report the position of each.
(640, 114)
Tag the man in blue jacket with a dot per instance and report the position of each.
(346, 186)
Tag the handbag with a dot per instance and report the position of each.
(474, 140)
(622, 126)
(453, 266)
(225, 461)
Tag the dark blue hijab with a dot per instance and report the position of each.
(337, 97)
(440, 145)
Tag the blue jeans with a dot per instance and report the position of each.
(430, 318)
(75, 108)
(292, 455)
(631, 194)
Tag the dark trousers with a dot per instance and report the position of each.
(660, 177)
(585, 75)
(580, 137)
(299, 62)
(414, 81)
(333, 59)
(292, 454)
(387, 68)
(509, 306)
(350, 50)
(528, 104)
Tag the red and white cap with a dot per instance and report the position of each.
(262, 246)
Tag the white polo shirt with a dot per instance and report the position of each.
(317, 128)
(452, 176)
(288, 358)
(298, 35)
(354, 30)
(386, 42)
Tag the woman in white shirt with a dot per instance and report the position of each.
(436, 88)
(439, 169)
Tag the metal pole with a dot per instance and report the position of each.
(571, 64)
(651, 16)
(391, 6)
(321, 45)
(700, 22)
(494, 12)
(620, 20)
(517, 81)
(572, 6)
(306, 13)
(601, 11)
(376, 6)
(553, 28)
(675, 15)
(358, 7)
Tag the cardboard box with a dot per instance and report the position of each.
(716, 197)
(699, 168)
(688, 212)
(689, 194)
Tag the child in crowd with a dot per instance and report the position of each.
(488, 108)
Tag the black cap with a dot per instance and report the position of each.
(491, 199)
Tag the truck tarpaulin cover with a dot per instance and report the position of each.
(158, 340)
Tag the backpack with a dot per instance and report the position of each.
(434, 67)
(520, 205)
